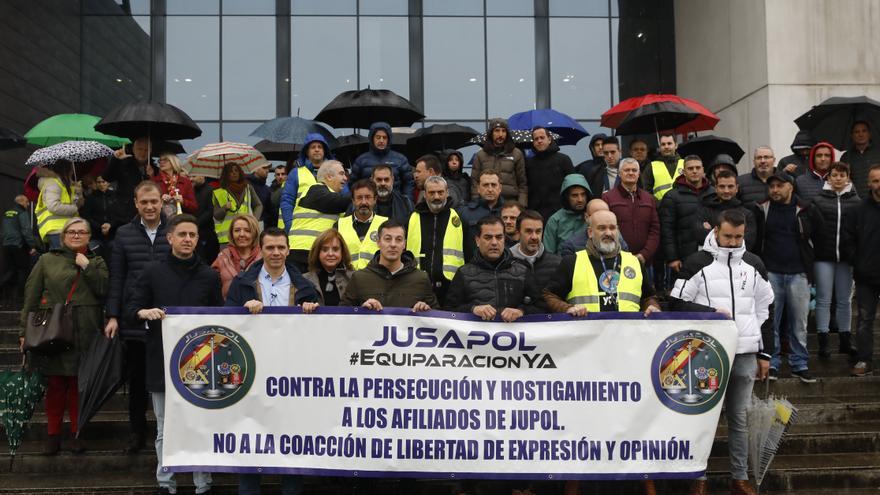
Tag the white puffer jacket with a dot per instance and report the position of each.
(731, 279)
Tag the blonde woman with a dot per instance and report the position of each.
(177, 191)
(242, 252)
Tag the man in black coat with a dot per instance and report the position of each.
(127, 171)
(753, 185)
(723, 199)
(137, 243)
(264, 192)
(545, 171)
(595, 148)
(681, 232)
(390, 203)
(795, 164)
(530, 249)
(181, 279)
(209, 246)
(494, 283)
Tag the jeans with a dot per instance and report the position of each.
(249, 484)
(836, 277)
(866, 299)
(165, 478)
(791, 295)
(739, 395)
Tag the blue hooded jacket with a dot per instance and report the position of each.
(363, 165)
(291, 185)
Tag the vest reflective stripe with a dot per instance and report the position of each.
(305, 179)
(221, 196)
(308, 224)
(48, 222)
(453, 243)
(361, 251)
(662, 180)
(585, 286)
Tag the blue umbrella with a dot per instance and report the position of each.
(292, 130)
(569, 130)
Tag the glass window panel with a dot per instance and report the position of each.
(615, 23)
(384, 49)
(323, 7)
(319, 75)
(248, 67)
(191, 7)
(571, 8)
(452, 7)
(454, 68)
(580, 73)
(511, 65)
(115, 61)
(384, 7)
(510, 7)
(615, 8)
(249, 7)
(192, 80)
(239, 132)
(118, 7)
(210, 135)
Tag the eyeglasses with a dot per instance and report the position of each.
(76, 233)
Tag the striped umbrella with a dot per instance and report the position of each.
(210, 160)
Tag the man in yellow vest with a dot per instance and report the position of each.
(360, 230)
(436, 236)
(317, 210)
(662, 172)
(601, 277)
(300, 175)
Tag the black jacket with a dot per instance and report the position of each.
(323, 199)
(244, 287)
(834, 208)
(586, 166)
(751, 188)
(132, 251)
(809, 223)
(681, 231)
(170, 282)
(862, 236)
(398, 207)
(543, 268)
(803, 139)
(127, 174)
(265, 194)
(506, 284)
(711, 208)
(100, 208)
(545, 172)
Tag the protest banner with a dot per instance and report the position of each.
(352, 392)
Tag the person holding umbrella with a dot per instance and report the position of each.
(127, 168)
(59, 201)
(381, 152)
(665, 169)
(69, 270)
(235, 196)
(177, 190)
(861, 156)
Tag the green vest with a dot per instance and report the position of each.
(308, 224)
(453, 243)
(48, 222)
(221, 197)
(585, 286)
(361, 251)
(662, 180)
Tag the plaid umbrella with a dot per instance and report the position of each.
(209, 160)
(20, 391)
(75, 151)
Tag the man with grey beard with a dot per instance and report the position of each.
(601, 277)
(389, 202)
(436, 235)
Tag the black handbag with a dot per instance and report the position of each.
(51, 331)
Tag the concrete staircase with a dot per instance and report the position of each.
(833, 449)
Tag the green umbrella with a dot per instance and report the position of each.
(70, 127)
(20, 391)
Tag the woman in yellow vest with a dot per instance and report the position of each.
(235, 196)
(329, 267)
(59, 201)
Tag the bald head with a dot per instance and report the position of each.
(603, 233)
(596, 205)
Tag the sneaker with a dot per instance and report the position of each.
(773, 375)
(861, 369)
(804, 376)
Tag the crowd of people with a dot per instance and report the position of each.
(627, 230)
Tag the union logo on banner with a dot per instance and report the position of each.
(212, 367)
(690, 372)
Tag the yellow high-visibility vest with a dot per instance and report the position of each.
(585, 286)
(361, 251)
(453, 243)
(662, 180)
(48, 222)
(221, 197)
(306, 179)
(308, 224)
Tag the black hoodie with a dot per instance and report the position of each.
(545, 172)
(586, 166)
(802, 140)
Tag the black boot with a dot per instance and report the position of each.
(53, 445)
(845, 347)
(824, 352)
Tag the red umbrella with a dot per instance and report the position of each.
(674, 104)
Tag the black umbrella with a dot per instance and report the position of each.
(656, 117)
(169, 146)
(156, 120)
(361, 108)
(100, 375)
(292, 130)
(278, 151)
(440, 137)
(708, 147)
(832, 120)
(10, 139)
(350, 146)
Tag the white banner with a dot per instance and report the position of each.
(358, 393)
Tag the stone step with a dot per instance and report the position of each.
(826, 386)
(817, 438)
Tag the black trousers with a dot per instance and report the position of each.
(866, 300)
(136, 364)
